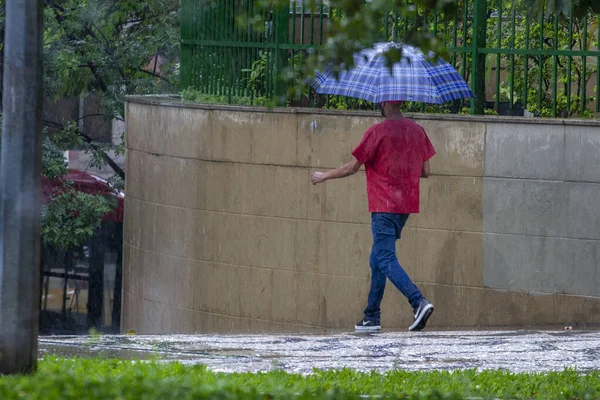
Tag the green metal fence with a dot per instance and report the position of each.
(545, 64)
(516, 64)
(238, 48)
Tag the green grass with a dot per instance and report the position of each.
(66, 379)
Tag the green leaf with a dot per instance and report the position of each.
(73, 217)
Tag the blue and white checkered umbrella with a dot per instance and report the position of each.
(413, 78)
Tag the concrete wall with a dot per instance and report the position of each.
(225, 233)
(84, 110)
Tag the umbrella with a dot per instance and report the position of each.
(413, 78)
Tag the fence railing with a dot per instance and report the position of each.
(547, 65)
(516, 64)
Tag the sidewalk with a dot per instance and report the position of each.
(515, 351)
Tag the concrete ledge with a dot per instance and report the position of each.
(175, 101)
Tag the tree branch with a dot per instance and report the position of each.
(99, 115)
(107, 49)
(88, 30)
(109, 161)
(149, 58)
(154, 75)
(60, 18)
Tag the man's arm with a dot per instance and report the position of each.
(347, 169)
(425, 170)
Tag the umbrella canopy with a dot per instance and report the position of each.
(413, 78)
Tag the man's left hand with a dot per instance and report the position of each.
(317, 177)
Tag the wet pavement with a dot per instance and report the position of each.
(516, 351)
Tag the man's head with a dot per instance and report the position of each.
(390, 108)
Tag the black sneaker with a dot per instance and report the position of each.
(422, 314)
(367, 325)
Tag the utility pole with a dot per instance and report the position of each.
(20, 181)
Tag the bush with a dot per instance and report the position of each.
(195, 96)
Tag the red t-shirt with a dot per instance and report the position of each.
(393, 153)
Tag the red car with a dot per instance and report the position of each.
(87, 183)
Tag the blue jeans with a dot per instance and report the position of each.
(386, 228)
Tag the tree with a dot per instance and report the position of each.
(110, 49)
(105, 47)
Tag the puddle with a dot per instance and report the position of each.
(515, 351)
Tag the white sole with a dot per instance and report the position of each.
(426, 313)
(367, 328)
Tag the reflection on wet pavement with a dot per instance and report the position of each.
(516, 351)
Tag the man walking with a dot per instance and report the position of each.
(396, 155)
